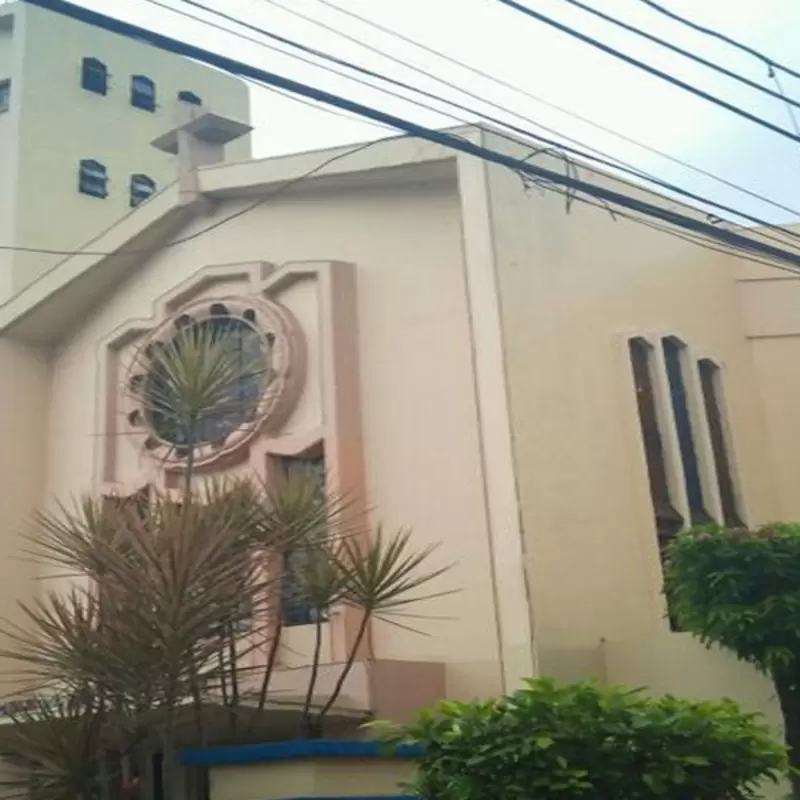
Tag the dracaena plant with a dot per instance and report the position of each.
(168, 595)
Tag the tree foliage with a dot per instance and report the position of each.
(740, 589)
(589, 741)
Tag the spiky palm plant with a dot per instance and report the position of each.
(171, 595)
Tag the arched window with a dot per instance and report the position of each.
(92, 178)
(94, 76)
(142, 187)
(143, 93)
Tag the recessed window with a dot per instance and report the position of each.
(710, 383)
(94, 76)
(142, 187)
(668, 520)
(295, 606)
(5, 95)
(143, 93)
(674, 362)
(186, 96)
(93, 178)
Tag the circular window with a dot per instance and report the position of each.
(242, 367)
(212, 376)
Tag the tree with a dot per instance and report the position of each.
(589, 741)
(169, 594)
(740, 589)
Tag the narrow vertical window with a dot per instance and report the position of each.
(92, 178)
(295, 608)
(5, 95)
(673, 358)
(94, 76)
(143, 93)
(710, 384)
(668, 520)
(142, 187)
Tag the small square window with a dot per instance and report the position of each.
(93, 178)
(143, 93)
(5, 95)
(94, 76)
(142, 187)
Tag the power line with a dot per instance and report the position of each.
(443, 138)
(537, 99)
(219, 223)
(618, 164)
(771, 63)
(685, 53)
(665, 76)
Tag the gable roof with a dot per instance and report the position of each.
(45, 311)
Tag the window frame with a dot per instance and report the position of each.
(138, 181)
(143, 93)
(85, 179)
(94, 76)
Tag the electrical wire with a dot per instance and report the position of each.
(285, 186)
(665, 76)
(603, 161)
(685, 53)
(770, 62)
(445, 139)
(567, 112)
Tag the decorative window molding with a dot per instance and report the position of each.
(92, 178)
(265, 333)
(143, 93)
(142, 187)
(94, 76)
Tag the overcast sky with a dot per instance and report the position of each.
(539, 60)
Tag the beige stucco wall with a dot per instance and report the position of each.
(60, 124)
(423, 461)
(574, 284)
(23, 409)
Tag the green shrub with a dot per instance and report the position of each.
(550, 741)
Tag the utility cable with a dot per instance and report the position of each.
(665, 76)
(685, 53)
(617, 165)
(445, 139)
(567, 112)
(765, 59)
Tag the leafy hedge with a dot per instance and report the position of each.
(550, 741)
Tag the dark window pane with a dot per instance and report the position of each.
(142, 187)
(668, 520)
(94, 76)
(186, 96)
(673, 351)
(295, 606)
(92, 178)
(709, 381)
(143, 93)
(5, 95)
